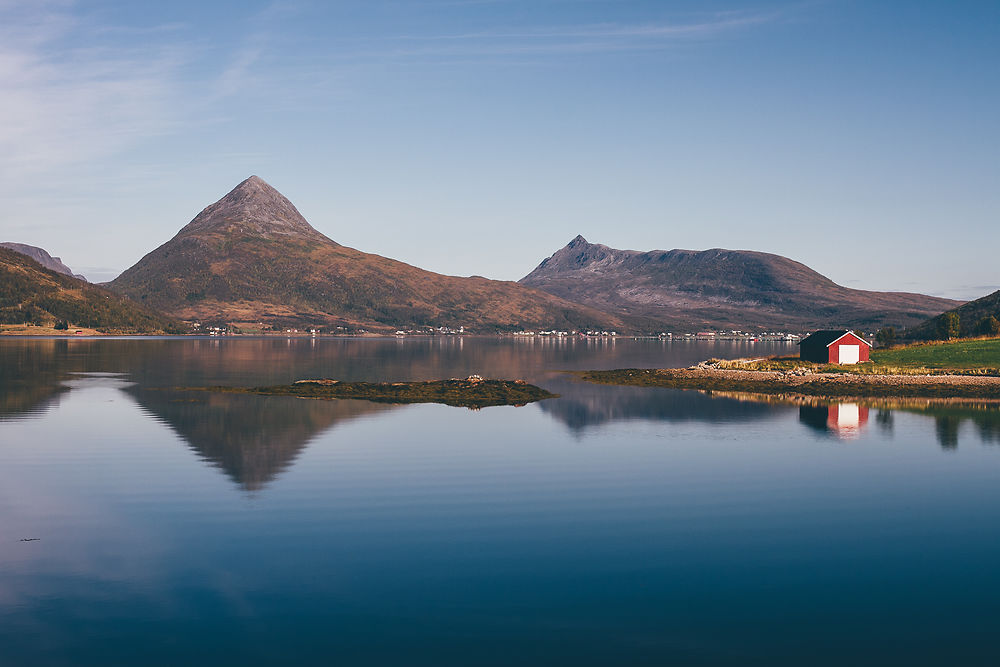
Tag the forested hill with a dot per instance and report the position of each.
(31, 293)
(41, 256)
(974, 319)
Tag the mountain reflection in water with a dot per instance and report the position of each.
(583, 405)
(147, 524)
(30, 377)
(251, 438)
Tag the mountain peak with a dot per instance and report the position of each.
(252, 257)
(253, 208)
(254, 183)
(717, 288)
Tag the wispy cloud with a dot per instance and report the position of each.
(578, 39)
(241, 71)
(77, 91)
(67, 99)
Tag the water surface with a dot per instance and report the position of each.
(613, 525)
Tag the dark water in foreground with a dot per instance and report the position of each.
(609, 526)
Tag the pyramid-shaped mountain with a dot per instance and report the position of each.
(253, 208)
(251, 257)
(720, 289)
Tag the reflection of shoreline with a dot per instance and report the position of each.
(949, 414)
(846, 386)
(885, 403)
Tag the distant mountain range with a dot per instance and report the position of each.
(31, 293)
(42, 257)
(251, 257)
(686, 289)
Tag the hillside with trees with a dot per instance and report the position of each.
(975, 318)
(33, 294)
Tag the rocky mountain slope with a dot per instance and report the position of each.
(718, 288)
(251, 257)
(31, 293)
(42, 257)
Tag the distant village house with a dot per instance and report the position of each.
(838, 346)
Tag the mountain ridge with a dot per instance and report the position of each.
(719, 288)
(251, 257)
(43, 257)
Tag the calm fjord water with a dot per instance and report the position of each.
(612, 525)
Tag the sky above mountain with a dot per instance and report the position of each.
(479, 136)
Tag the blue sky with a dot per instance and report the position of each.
(479, 136)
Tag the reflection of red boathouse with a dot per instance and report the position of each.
(845, 420)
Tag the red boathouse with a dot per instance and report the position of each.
(838, 346)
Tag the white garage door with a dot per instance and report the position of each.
(849, 354)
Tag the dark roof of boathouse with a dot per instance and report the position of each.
(828, 337)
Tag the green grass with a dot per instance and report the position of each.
(973, 354)
(962, 357)
(976, 356)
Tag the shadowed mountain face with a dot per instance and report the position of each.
(720, 289)
(251, 257)
(970, 316)
(42, 257)
(31, 293)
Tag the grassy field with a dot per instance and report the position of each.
(979, 356)
(962, 354)
(32, 330)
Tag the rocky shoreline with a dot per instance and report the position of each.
(472, 392)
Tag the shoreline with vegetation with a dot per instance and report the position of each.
(964, 369)
(472, 392)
